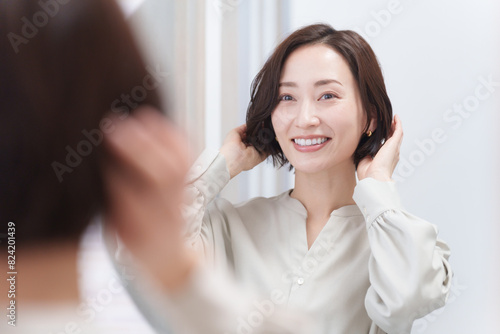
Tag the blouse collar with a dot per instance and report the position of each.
(295, 205)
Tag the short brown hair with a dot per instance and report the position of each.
(59, 81)
(364, 67)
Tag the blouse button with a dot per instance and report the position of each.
(300, 281)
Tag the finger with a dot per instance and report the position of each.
(242, 131)
(241, 128)
(135, 210)
(236, 134)
(119, 188)
(398, 130)
(166, 133)
(363, 164)
(135, 147)
(397, 124)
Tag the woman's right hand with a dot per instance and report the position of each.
(239, 156)
(144, 177)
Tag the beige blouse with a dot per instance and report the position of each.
(374, 267)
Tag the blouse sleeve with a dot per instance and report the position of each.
(209, 302)
(206, 224)
(408, 268)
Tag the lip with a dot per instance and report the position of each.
(310, 137)
(310, 148)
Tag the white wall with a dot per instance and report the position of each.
(432, 54)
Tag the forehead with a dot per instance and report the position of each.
(311, 63)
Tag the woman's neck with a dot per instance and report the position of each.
(328, 190)
(47, 273)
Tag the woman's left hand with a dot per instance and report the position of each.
(383, 164)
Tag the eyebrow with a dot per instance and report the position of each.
(326, 82)
(316, 84)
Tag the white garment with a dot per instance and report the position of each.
(374, 267)
(49, 318)
(209, 302)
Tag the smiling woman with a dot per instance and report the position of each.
(327, 110)
(360, 66)
(341, 251)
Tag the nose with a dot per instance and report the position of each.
(307, 116)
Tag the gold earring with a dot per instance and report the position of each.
(369, 133)
(276, 138)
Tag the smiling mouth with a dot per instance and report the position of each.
(310, 142)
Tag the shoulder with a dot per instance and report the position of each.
(263, 202)
(266, 208)
(277, 210)
(254, 206)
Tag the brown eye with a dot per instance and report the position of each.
(327, 96)
(286, 98)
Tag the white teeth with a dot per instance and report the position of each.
(309, 142)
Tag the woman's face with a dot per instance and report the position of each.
(319, 119)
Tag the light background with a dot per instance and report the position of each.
(433, 54)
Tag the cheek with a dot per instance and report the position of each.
(347, 127)
(279, 122)
(350, 120)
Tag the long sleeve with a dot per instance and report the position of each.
(409, 271)
(207, 177)
(210, 302)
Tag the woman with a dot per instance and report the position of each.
(347, 254)
(72, 150)
(59, 79)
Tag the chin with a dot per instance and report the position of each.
(313, 166)
(310, 167)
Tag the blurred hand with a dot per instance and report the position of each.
(239, 157)
(144, 180)
(383, 164)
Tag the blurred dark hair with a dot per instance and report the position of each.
(61, 68)
(364, 67)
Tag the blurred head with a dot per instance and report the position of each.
(65, 64)
(328, 54)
